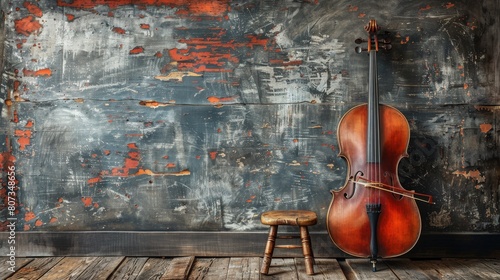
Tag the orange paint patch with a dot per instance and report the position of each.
(23, 138)
(281, 62)
(472, 174)
(141, 171)
(27, 25)
(215, 99)
(38, 223)
(207, 8)
(485, 127)
(16, 117)
(405, 41)
(29, 124)
(145, 26)
(214, 8)
(131, 163)
(133, 155)
(213, 155)
(153, 103)
(87, 201)
(120, 172)
(118, 30)
(211, 54)
(6, 159)
(29, 216)
(137, 50)
(449, 5)
(132, 146)
(353, 8)
(42, 72)
(426, 8)
(144, 172)
(53, 220)
(170, 165)
(93, 181)
(70, 17)
(33, 9)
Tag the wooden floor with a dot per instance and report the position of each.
(86, 268)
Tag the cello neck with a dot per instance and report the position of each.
(373, 133)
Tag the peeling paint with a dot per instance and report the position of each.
(27, 26)
(87, 201)
(23, 138)
(485, 127)
(33, 9)
(155, 104)
(29, 216)
(472, 174)
(177, 76)
(216, 100)
(38, 73)
(137, 50)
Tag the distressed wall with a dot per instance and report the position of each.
(199, 115)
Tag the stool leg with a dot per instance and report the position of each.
(306, 249)
(268, 253)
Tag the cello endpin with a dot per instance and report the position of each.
(374, 265)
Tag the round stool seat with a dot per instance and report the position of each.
(289, 217)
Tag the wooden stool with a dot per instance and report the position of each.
(300, 218)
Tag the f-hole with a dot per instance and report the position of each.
(354, 179)
(391, 183)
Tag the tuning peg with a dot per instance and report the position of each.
(359, 41)
(360, 49)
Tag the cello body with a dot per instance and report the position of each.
(372, 215)
(399, 223)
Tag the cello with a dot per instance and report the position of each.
(372, 215)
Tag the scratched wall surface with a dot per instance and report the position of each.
(200, 115)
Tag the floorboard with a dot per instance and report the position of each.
(245, 268)
(100, 269)
(154, 268)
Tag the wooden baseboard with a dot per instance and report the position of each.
(223, 244)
